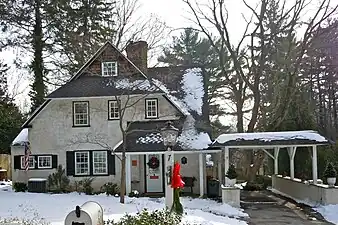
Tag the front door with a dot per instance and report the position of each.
(154, 173)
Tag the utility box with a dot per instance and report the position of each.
(90, 213)
(37, 185)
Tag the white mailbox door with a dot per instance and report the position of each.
(154, 176)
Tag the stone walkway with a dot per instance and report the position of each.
(266, 208)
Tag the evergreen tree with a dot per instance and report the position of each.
(190, 49)
(10, 116)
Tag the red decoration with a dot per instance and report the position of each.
(176, 181)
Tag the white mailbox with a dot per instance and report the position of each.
(90, 213)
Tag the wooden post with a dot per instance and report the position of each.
(128, 174)
(201, 174)
(314, 164)
(276, 153)
(292, 152)
(226, 160)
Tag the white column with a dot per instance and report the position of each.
(169, 192)
(219, 167)
(128, 174)
(292, 152)
(276, 152)
(314, 164)
(201, 173)
(226, 160)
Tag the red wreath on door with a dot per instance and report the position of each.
(153, 163)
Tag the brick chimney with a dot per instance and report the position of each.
(137, 52)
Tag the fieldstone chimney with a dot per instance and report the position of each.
(137, 52)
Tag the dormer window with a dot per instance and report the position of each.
(109, 69)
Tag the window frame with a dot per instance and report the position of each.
(74, 114)
(146, 108)
(22, 161)
(45, 167)
(93, 163)
(75, 163)
(110, 110)
(103, 64)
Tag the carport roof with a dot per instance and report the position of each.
(271, 139)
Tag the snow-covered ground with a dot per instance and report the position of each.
(329, 212)
(53, 208)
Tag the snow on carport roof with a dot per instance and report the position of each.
(285, 138)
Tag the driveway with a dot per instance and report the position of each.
(266, 208)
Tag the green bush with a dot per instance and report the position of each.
(253, 187)
(231, 173)
(110, 189)
(264, 181)
(134, 194)
(58, 182)
(87, 186)
(330, 171)
(20, 187)
(145, 217)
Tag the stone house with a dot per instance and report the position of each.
(79, 124)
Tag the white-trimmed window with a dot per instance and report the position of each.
(151, 108)
(100, 164)
(44, 162)
(81, 114)
(31, 162)
(109, 69)
(113, 110)
(81, 163)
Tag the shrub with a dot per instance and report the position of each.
(110, 189)
(264, 181)
(87, 185)
(330, 171)
(157, 217)
(253, 187)
(134, 194)
(58, 181)
(20, 187)
(231, 173)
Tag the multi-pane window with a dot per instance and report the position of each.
(113, 110)
(109, 69)
(31, 162)
(44, 161)
(100, 162)
(81, 113)
(151, 108)
(82, 163)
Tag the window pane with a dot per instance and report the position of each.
(81, 113)
(44, 161)
(82, 163)
(100, 162)
(151, 108)
(109, 68)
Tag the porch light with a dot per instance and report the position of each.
(169, 135)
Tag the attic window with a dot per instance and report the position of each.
(109, 69)
(151, 108)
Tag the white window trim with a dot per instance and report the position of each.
(146, 109)
(110, 110)
(22, 159)
(74, 114)
(45, 167)
(75, 163)
(105, 152)
(102, 69)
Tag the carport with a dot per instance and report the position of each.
(279, 141)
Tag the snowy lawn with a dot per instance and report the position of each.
(54, 207)
(329, 212)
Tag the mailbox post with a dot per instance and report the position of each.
(90, 213)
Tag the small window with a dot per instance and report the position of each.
(100, 165)
(81, 114)
(151, 108)
(31, 162)
(113, 110)
(109, 69)
(44, 162)
(81, 163)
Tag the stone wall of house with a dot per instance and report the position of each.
(52, 132)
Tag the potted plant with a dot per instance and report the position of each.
(330, 174)
(231, 176)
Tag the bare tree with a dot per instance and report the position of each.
(251, 54)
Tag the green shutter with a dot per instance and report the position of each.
(70, 167)
(54, 161)
(17, 162)
(111, 163)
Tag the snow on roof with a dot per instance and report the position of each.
(193, 88)
(143, 85)
(150, 138)
(190, 138)
(21, 138)
(272, 136)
